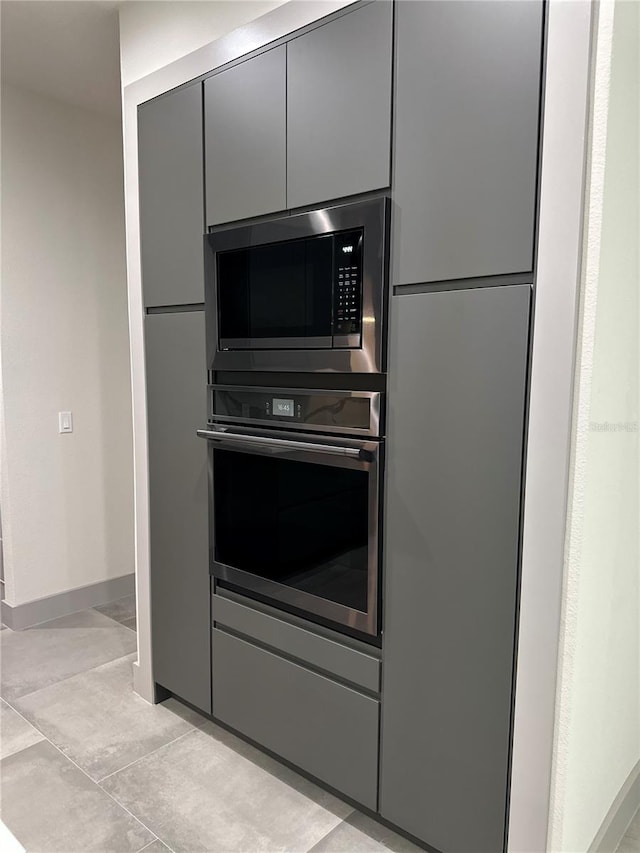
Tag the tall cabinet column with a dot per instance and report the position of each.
(466, 145)
(456, 432)
(172, 225)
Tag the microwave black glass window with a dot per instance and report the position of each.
(277, 291)
(300, 293)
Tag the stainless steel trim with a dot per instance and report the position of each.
(346, 341)
(305, 601)
(320, 342)
(309, 392)
(221, 434)
(375, 409)
(369, 354)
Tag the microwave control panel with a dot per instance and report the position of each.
(347, 292)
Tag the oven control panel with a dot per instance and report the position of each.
(347, 292)
(335, 411)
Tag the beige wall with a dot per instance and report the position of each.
(598, 724)
(153, 34)
(67, 500)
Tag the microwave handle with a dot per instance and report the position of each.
(284, 444)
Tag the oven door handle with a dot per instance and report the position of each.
(284, 444)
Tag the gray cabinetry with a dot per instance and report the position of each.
(180, 600)
(332, 656)
(245, 122)
(455, 447)
(466, 137)
(339, 107)
(326, 728)
(171, 197)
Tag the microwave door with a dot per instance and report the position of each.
(304, 293)
(278, 296)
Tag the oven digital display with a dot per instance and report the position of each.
(283, 408)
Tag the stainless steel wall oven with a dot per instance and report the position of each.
(295, 500)
(300, 293)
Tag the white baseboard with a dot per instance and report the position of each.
(53, 606)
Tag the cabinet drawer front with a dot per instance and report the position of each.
(348, 664)
(326, 729)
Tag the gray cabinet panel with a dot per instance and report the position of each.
(180, 600)
(328, 730)
(335, 658)
(171, 198)
(466, 137)
(339, 107)
(457, 399)
(245, 143)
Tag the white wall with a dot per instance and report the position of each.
(598, 724)
(153, 34)
(67, 500)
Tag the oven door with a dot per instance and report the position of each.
(295, 520)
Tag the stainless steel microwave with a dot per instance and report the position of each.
(304, 293)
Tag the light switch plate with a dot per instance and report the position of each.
(65, 422)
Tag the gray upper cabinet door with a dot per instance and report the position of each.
(339, 107)
(466, 137)
(455, 448)
(171, 198)
(180, 586)
(245, 125)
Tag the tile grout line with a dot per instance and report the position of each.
(120, 769)
(66, 678)
(97, 784)
(22, 717)
(84, 773)
(146, 846)
(117, 621)
(146, 755)
(124, 808)
(169, 743)
(157, 838)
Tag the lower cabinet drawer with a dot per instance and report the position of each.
(323, 727)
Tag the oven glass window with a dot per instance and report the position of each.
(282, 290)
(300, 524)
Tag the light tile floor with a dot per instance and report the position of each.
(87, 765)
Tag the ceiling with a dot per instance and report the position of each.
(66, 49)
